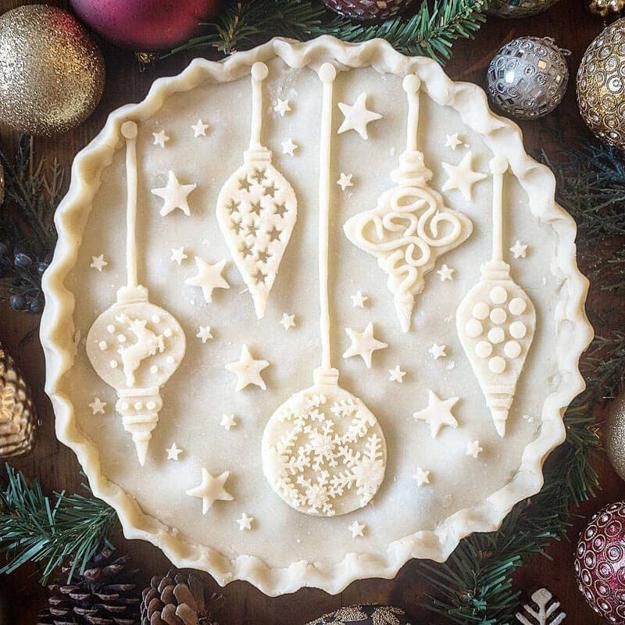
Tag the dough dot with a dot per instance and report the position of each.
(481, 310)
(151, 405)
(498, 316)
(497, 364)
(110, 329)
(512, 349)
(517, 306)
(474, 328)
(498, 295)
(518, 329)
(483, 349)
(496, 335)
(138, 405)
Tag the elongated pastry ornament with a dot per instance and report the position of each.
(135, 346)
(257, 209)
(496, 320)
(410, 228)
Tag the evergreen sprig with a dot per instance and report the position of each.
(431, 31)
(53, 531)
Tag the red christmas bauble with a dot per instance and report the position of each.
(145, 24)
(600, 563)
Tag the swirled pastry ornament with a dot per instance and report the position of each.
(410, 228)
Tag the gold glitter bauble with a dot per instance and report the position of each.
(606, 7)
(601, 85)
(614, 435)
(51, 72)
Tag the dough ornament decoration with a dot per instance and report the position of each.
(496, 320)
(323, 450)
(135, 346)
(410, 227)
(257, 209)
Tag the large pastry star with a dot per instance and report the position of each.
(247, 370)
(174, 195)
(363, 344)
(208, 277)
(438, 413)
(211, 489)
(357, 116)
(462, 176)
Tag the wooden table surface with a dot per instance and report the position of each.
(55, 465)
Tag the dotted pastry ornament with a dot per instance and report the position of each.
(410, 228)
(496, 320)
(323, 450)
(135, 346)
(257, 209)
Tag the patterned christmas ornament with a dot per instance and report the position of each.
(601, 86)
(366, 10)
(18, 419)
(614, 435)
(527, 78)
(519, 8)
(364, 615)
(51, 72)
(606, 7)
(600, 563)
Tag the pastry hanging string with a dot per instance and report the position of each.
(259, 73)
(129, 131)
(411, 85)
(498, 167)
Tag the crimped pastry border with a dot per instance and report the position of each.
(574, 332)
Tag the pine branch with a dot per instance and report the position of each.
(50, 531)
(432, 31)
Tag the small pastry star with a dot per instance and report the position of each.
(359, 300)
(204, 333)
(174, 195)
(345, 181)
(462, 176)
(245, 522)
(519, 250)
(228, 421)
(208, 277)
(97, 406)
(474, 449)
(363, 344)
(396, 375)
(446, 273)
(438, 351)
(438, 413)
(357, 529)
(452, 141)
(357, 116)
(173, 452)
(178, 255)
(287, 321)
(247, 370)
(421, 476)
(199, 129)
(282, 107)
(211, 489)
(98, 262)
(160, 138)
(288, 147)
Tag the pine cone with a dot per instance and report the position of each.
(17, 414)
(179, 598)
(105, 594)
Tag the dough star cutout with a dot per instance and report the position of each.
(287, 321)
(438, 351)
(357, 529)
(519, 250)
(446, 273)
(175, 195)
(396, 375)
(359, 300)
(363, 344)
(452, 141)
(462, 176)
(97, 406)
(98, 262)
(474, 449)
(421, 476)
(288, 147)
(228, 421)
(211, 489)
(245, 522)
(357, 116)
(282, 107)
(437, 413)
(345, 181)
(173, 452)
(178, 255)
(160, 138)
(204, 333)
(199, 129)
(208, 278)
(248, 370)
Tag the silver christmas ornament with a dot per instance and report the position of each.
(519, 8)
(614, 435)
(527, 78)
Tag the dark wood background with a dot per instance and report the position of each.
(572, 28)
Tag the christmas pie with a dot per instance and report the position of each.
(316, 291)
